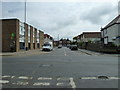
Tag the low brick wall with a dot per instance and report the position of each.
(98, 47)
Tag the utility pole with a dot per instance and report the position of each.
(25, 11)
(58, 39)
(25, 27)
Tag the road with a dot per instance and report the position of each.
(60, 68)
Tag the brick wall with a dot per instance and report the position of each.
(99, 47)
(41, 39)
(10, 27)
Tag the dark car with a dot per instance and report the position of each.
(73, 47)
(68, 46)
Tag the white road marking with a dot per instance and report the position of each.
(4, 81)
(6, 76)
(44, 78)
(72, 83)
(41, 84)
(62, 78)
(113, 78)
(60, 84)
(21, 83)
(65, 53)
(91, 78)
(88, 77)
(23, 77)
(12, 76)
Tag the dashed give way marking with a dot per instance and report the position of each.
(44, 78)
(25, 77)
(4, 81)
(41, 84)
(21, 83)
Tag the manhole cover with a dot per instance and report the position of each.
(103, 77)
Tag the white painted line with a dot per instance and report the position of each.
(44, 78)
(65, 53)
(12, 76)
(63, 79)
(89, 78)
(72, 83)
(41, 84)
(23, 77)
(60, 84)
(113, 78)
(21, 83)
(4, 81)
(6, 76)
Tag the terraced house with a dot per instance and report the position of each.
(17, 35)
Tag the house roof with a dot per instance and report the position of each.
(92, 34)
(114, 21)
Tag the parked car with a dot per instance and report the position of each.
(68, 46)
(48, 46)
(73, 47)
(118, 49)
(60, 46)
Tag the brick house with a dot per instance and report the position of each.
(64, 42)
(89, 36)
(48, 38)
(17, 35)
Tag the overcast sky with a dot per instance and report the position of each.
(67, 19)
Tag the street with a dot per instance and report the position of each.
(60, 68)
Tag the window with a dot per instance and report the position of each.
(21, 32)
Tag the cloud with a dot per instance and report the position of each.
(119, 7)
(13, 10)
(96, 14)
(66, 19)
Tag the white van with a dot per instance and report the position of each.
(48, 46)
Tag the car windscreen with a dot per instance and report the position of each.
(46, 45)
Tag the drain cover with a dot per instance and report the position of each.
(103, 77)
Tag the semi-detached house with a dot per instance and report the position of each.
(88, 36)
(111, 32)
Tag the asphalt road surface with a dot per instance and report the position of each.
(60, 68)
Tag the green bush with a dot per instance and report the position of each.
(113, 45)
(89, 41)
(80, 43)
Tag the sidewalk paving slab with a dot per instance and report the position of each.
(23, 53)
(88, 52)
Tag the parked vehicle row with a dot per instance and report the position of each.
(73, 47)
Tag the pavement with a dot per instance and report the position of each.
(88, 52)
(60, 68)
(23, 53)
(39, 51)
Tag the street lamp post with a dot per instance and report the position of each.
(58, 39)
(25, 27)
